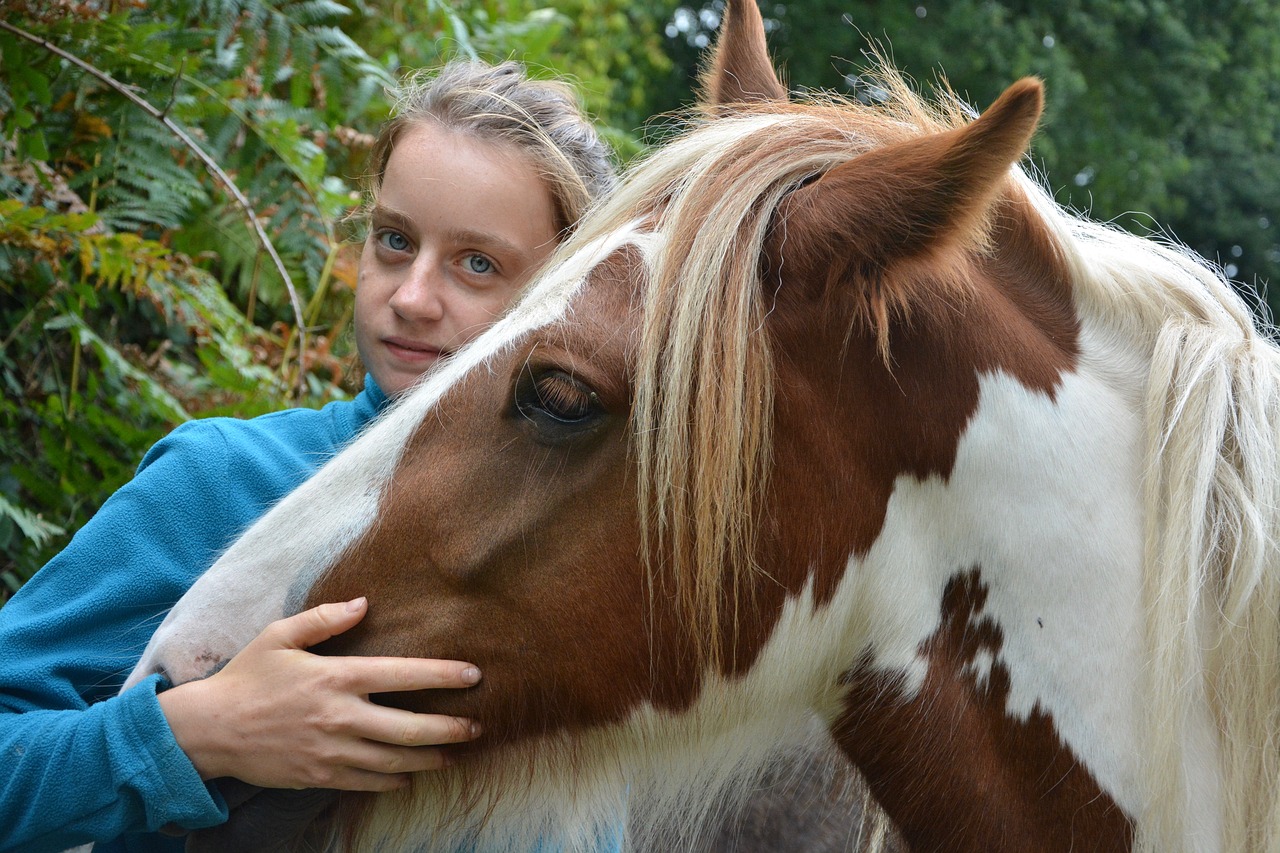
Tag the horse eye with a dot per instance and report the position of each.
(554, 400)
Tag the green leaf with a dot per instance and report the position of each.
(34, 81)
(113, 360)
(31, 525)
(319, 12)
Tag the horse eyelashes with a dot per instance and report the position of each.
(552, 399)
(563, 397)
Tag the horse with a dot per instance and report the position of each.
(829, 413)
(810, 799)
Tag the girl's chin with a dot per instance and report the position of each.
(394, 381)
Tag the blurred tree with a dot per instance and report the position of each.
(1162, 115)
(610, 49)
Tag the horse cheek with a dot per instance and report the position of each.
(479, 555)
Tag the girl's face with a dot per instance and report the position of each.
(458, 226)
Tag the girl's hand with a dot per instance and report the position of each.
(280, 717)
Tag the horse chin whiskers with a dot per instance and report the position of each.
(496, 800)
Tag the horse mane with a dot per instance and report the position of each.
(1212, 502)
(703, 384)
(1212, 412)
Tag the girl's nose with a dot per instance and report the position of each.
(419, 296)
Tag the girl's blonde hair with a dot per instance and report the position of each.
(543, 119)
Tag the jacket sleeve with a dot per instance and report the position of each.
(78, 762)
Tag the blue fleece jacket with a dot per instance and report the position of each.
(77, 762)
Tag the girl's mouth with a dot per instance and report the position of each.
(412, 351)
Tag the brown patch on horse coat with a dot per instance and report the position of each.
(1005, 784)
(515, 599)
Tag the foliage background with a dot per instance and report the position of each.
(133, 294)
(1161, 115)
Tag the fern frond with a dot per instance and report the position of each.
(140, 181)
(313, 12)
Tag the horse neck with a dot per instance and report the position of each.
(983, 537)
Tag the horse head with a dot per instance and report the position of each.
(828, 412)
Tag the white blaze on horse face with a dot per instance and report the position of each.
(268, 572)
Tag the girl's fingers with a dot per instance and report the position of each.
(395, 727)
(388, 767)
(290, 718)
(353, 779)
(392, 675)
(316, 625)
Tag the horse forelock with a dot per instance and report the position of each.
(704, 377)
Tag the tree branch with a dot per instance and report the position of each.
(209, 163)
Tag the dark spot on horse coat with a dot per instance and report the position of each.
(954, 768)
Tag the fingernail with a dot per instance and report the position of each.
(355, 604)
(471, 675)
(476, 730)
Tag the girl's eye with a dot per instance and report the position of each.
(478, 264)
(394, 240)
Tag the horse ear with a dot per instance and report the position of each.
(912, 199)
(740, 70)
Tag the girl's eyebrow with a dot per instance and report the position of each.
(491, 243)
(390, 216)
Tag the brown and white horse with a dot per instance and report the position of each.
(828, 413)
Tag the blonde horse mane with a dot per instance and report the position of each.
(1212, 412)
(1212, 499)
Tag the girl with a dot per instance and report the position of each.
(473, 182)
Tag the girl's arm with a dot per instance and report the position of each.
(79, 763)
